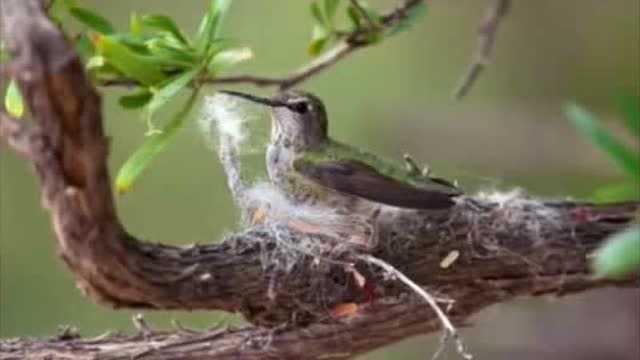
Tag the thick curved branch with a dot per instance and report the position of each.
(384, 322)
(506, 246)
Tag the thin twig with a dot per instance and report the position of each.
(450, 330)
(326, 60)
(486, 40)
(351, 42)
(181, 328)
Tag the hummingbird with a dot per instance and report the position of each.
(310, 167)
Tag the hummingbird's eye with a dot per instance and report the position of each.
(301, 107)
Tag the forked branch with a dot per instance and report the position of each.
(508, 246)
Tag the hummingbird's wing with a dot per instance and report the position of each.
(357, 178)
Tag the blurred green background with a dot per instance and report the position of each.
(392, 98)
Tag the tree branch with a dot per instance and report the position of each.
(508, 246)
(486, 41)
(352, 41)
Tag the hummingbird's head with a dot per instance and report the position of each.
(301, 121)
(299, 118)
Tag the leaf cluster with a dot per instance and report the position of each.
(162, 61)
(364, 23)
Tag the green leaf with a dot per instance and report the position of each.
(135, 43)
(167, 54)
(92, 20)
(84, 47)
(630, 108)
(209, 29)
(317, 14)
(135, 24)
(58, 9)
(150, 148)
(355, 17)
(164, 23)
(370, 14)
(205, 32)
(95, 62)
(133, 65)
(222, 9)
(135, 100)
(412, 17)
(588, 125)
(228, 58)
(330, 7)
(4, 53)
(319, 40)
(171, 89)
(13, 100)
(617, 192)
(620, 256)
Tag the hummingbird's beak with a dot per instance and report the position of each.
(255, 99)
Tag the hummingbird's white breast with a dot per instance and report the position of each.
(279, 163)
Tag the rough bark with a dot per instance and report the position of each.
(507, 246)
